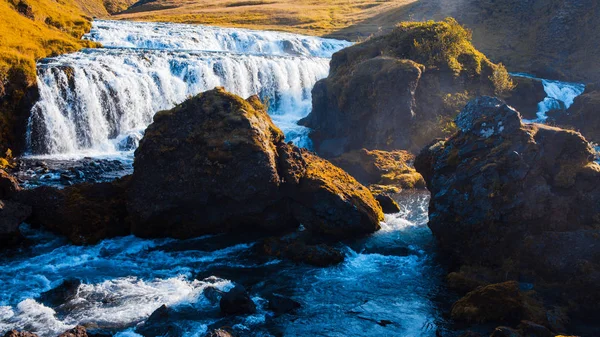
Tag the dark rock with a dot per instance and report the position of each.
(391, 93)
(583, 115)
(298, 250)
(160, 323)
(388, 205)
(130, 142)
(526, 96)
(500, 302)
(85, 213)
(237, 302)
(471, 334)
(497, 181)
(504, 331)
(221, 332)
(530, 329)
(219, 158)
(61, 294)
(462, 283)
(77, 331)
(282, 305)
(9, 185)
(12, 214)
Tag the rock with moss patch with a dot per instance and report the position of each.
(523, 198)
(500, 302)
(400, 90)
(217, 163)
(381, 171)
(498, 180)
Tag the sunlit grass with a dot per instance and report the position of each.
(298, 16)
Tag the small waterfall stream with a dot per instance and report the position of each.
(99, 101)
(559, 95)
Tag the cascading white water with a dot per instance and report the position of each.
(99, 101)
(559, 95)
(171, 36)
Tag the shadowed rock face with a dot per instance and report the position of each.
(525, 198)
(85, 213)
(583, 115)
(395, 91)
(496, 181)
(217, 163)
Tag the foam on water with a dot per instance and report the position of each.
(99, 101)
(124, 281)
(389, 276)
(173, 36)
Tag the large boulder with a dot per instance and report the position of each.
(85, 213)
(237, 301)
(524, 199)
(400, 90)
(217, 163)
(497, 181)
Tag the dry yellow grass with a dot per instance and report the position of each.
(47, 28)
(312, 17)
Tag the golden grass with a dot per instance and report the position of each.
(55, 28)
(312, 17)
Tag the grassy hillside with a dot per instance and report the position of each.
(314, 17)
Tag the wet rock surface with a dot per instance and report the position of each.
(300, 249)
(237, 302)
(60, 173)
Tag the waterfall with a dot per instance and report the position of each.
(173, 36)
(99, 101)
(559, 96)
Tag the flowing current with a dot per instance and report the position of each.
(389, 285)
(559, 96)
(99, 101)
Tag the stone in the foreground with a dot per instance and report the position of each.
(522, 200)
(237, 302)
(217, 163)
(498, 181)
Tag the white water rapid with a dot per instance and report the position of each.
(559, 95)
(99, 101)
